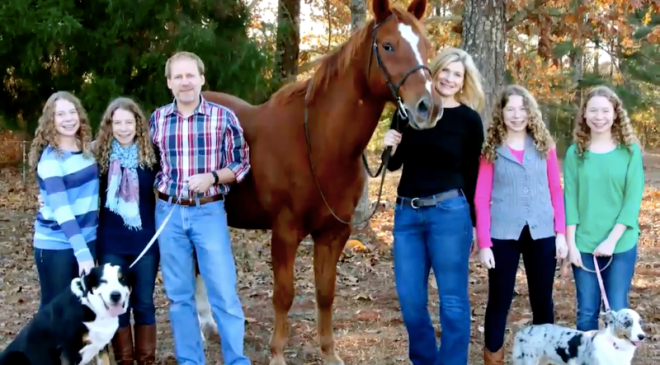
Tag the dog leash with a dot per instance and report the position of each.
(600, 282)
(162, 225)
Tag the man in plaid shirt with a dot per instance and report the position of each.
(201, 145)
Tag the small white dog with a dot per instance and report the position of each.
(553, 344)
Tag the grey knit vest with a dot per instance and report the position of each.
(520, 195)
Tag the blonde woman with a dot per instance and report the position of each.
(128, 166)
(434, 212)
(520, 211)
(67, 174)
(603, 188)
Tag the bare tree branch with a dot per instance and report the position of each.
(441, 19)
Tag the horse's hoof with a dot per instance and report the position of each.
(278, 360)
(209, 329)
(332, 360)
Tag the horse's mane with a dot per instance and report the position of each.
(339, 61)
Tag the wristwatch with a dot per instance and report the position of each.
(215, 176)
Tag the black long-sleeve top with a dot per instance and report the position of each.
(442, 158)
(113, 236)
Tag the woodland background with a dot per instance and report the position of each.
(107, 48)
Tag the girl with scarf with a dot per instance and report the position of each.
(128, 165)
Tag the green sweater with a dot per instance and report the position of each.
(601, 190)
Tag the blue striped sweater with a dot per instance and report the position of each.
(69, 185)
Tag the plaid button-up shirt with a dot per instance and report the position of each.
(208, 140)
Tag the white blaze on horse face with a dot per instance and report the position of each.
(413, 39)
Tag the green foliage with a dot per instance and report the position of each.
(108, 48)
(562, 49)
(638, 86)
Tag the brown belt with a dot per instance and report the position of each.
(191, 200)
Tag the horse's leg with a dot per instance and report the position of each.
(328, 246)
(206, 322)
(284, 244)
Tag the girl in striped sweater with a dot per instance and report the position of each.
(67, 174)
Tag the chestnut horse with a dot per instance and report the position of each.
(305, 151)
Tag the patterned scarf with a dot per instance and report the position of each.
(123, 188)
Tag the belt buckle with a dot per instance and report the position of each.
(412, 203)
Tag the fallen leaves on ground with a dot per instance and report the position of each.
(368, 327)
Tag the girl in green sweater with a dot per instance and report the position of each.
(603, 188)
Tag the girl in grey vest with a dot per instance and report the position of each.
(520, 210)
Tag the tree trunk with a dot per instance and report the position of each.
(358, 17)
(484, 38)
(362, 210)
(577, 62)
(597, 56)
(358, 13)
(438, 8)
(288, 38)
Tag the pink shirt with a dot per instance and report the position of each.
(485, 185)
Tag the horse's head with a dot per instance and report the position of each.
(401, 51)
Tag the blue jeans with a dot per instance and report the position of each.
(437, 237)
(56, 269)
(142, 296)
(617, 279)
(203, 227)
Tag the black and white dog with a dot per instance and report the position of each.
(77, 325)
(552, 344)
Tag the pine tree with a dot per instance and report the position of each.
(103, 49)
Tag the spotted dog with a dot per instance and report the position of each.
(77, 325)
(552, 344)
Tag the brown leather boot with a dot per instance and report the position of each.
(145, 344)
(494, 358)
(122, 346)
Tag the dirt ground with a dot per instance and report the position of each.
(368, 326)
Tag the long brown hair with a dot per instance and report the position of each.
(496, 134)
(622, 130)
(146, 154)
(46, 134)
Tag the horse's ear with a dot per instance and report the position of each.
(382, 10)
(417, 8)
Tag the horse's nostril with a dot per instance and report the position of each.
(423, 107)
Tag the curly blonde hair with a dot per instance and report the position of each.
(46, 134)
(104, 138)
(622, 130)
(472, 93)
(496, 133)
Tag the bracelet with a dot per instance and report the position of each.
(215, 176)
